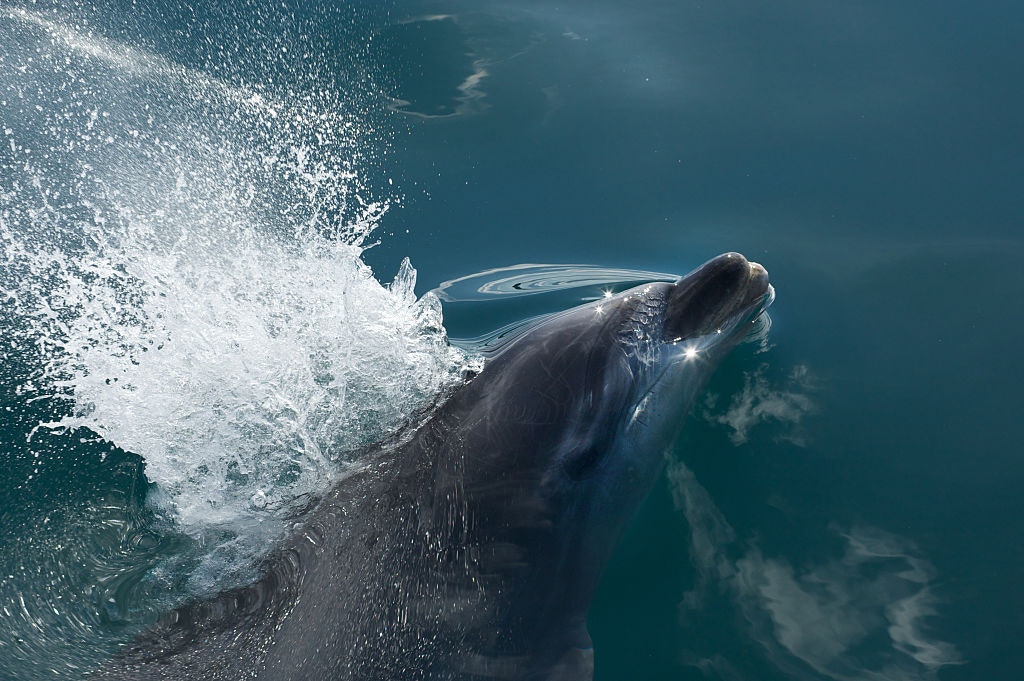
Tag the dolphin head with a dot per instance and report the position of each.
(567, 431)
(647, 362)
(703, 316)
(635, 363)
(470, 547)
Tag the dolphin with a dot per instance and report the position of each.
(469, 547)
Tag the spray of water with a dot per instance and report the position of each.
(180, 265)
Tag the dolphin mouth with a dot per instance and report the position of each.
(717, 297)
(760, 292)
(759, 284)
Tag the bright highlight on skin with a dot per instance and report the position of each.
(690, 353)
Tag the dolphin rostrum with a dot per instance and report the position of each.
(470, 548)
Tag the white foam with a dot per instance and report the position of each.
(182, 258)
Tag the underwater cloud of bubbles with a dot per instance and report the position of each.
(180, 265)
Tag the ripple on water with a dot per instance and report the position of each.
(487, 310)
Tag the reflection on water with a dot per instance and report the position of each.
(435, 74)
(862, 615)
(761, 401)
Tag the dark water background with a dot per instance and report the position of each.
(846, 504)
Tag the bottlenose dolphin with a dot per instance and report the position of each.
(470, 547)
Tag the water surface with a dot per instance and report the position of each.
(203, 219)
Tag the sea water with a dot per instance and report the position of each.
(207, 311)
(182, 281)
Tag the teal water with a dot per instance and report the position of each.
(190, 199)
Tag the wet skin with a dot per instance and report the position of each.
(469, 547)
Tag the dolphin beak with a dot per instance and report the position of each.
(716, 292)
(759, 284)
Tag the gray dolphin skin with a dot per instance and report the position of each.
(469, 547)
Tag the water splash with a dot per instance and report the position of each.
(180, 266)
